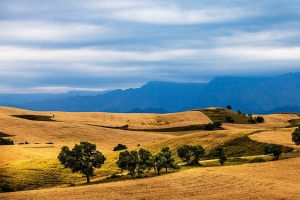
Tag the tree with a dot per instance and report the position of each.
(219, 152)
(184, 153)
(260, 119)
(82, 158)
(239, 112)
(128, 161)
(209, 126)
(229, 107)
(218, 124)
(136, 162)
(273, 150)
(146, 161)
(164, 159)
(296, 136)
(191, 154)
(229, 119)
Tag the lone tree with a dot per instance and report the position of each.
(229, 107)
(83, 158)
(296, 136)
(191, 154)
(273, 150)
(219, 152)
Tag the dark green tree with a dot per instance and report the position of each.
(209, 126)
(239, 112)
(128, 161)
(273, 150)
(191, 154)
(146, 161)
(229, 107)
(219, 152)
(260, 119)
(218, 124)
(83, 158)
(296, 136)
(184, 153)
(165, 159)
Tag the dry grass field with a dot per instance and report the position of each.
(35, 165)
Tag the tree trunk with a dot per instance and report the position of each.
(87, 178)
(166, 170)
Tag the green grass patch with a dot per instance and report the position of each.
(244, 146)
(220, 114)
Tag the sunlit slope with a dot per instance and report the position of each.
(207, 139)
(276, 136)
(138, 121)
(271, 180)
(71, 128)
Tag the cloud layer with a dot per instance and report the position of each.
(55, 46)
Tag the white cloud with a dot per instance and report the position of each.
(175, 15)
(30, 31)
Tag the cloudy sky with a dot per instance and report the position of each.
(60, 45)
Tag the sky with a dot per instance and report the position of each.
(61, 45)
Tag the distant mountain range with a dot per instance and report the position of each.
(248, 94)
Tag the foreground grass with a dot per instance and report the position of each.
(45, 173)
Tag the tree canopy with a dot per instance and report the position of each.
(191, 154)
(273, 150)
(296, 136)
(83, 158)
(219, 152)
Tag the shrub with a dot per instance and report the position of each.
(252, 121)
(229, 119)
(6, 141)
(260, 119)
(218, 124)
(120, 147)
(209, 126)
(49, 143)
(6, 188)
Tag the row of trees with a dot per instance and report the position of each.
(138, 162)
(84, 158)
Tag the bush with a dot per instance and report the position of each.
(260, 119)
(120, 147)
(218, 124)
(252, 121)
(209, 126)
(49, 143)
(229, 119)
(6, 141)
(6, 188)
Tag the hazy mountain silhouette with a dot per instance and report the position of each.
(248, 94)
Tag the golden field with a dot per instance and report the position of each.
(35, 165)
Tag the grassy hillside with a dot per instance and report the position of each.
(35, 165)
